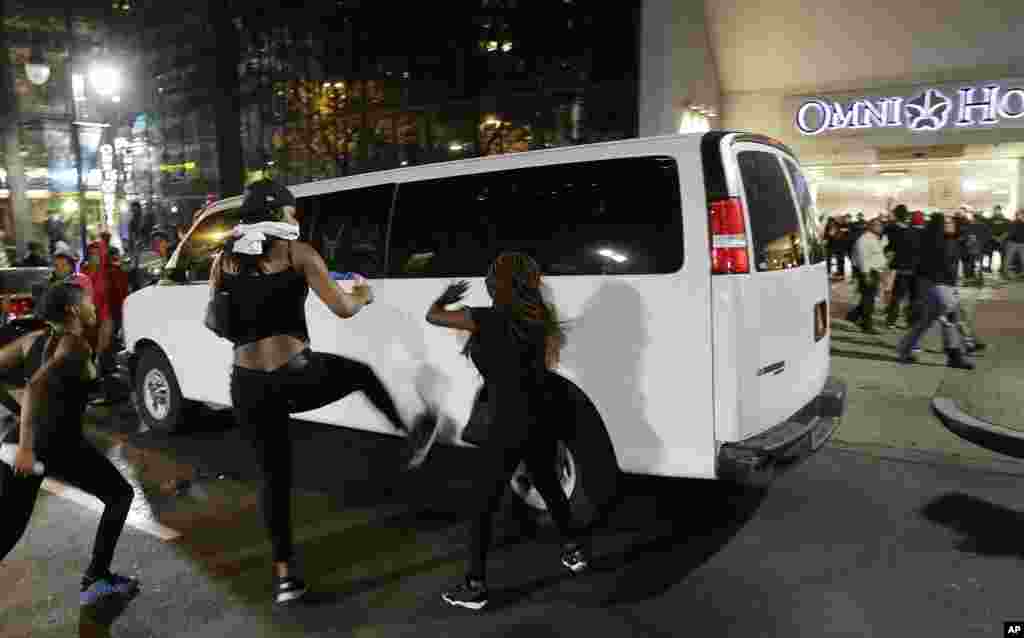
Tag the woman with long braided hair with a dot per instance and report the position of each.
(512, 344)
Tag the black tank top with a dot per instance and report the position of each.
(264, 305)
(66, 398)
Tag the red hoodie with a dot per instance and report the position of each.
(109, 284)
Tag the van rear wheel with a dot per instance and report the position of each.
(587, 477)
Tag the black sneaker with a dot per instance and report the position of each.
(288, 589)
(977, 346)
(421, 439)
(96, 589)
(467, 595)
(575, 559)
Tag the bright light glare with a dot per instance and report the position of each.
(614, 256)
(105, 79)
(455, 146)
(70, 206)
(37, 74)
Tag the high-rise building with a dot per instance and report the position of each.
(333, 89)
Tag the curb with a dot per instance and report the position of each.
(990, 436)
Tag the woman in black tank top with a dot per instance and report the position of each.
(512, 344)
(268, 274)
(60, 371)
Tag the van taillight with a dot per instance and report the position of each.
(728, 237)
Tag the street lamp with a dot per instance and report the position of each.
(37, 70)
(105, 79)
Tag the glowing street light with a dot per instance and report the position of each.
(37, 70)
(105, 79)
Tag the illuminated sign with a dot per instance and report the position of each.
(109, 184)
(933, 109)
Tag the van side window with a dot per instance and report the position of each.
(809, 212)
(349, 228)
(775, 226)
(617, 216)
(196, 257)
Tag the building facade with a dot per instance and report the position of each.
(882, 105)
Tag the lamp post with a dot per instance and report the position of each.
(37, 70)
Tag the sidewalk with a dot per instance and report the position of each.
(892, 403)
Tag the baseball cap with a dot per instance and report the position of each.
(265, 195)
(61, 249)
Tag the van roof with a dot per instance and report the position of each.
(397, 173)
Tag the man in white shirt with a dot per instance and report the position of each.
(869, 257)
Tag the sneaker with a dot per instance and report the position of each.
(421, 439)
(907, 357)
(915, 350)
(977, 346)
(94, 590)
(467, 595)
(575, 559)
(288, 589)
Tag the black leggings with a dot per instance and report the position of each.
(539, 452)
(262, 402)
(75, 462)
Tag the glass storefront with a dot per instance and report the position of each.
(928, 186)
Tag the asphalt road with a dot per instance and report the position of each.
(845, 544)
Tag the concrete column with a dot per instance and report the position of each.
(677, 66)
(1016, 191)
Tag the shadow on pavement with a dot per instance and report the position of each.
(864, 341)
(688, 523)
(988, 529)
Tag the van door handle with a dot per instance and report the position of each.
(776, 368)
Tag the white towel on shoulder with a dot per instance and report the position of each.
(250, 237)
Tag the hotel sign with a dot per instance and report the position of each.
(932, 109)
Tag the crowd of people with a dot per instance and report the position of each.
(915, 265)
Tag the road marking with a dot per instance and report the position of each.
(135, 519)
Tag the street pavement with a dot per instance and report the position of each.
(902, 423)
(897, 527)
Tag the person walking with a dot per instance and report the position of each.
(1014, 249)
(938, 271)
(905, 243)
(835, 248)
(65, 265)
(34, 258)
(512, 344)
(58, 363)
(976, 235)
(1000, 228)
(869, 258)
(267, 273)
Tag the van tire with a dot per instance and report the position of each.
(157, 395)
(593, 468)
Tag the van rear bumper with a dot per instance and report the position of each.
(757, 459)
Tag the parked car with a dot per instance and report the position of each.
(20, 289)
(688, 266)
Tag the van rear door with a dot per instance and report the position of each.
(783, 358)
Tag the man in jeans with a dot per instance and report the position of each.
(869, 257)
(1014, 249)
(905, 244)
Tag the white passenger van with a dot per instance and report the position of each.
(688, 268)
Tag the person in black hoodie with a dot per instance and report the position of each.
(938, 269)
(905, 245)
(1014, 243)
